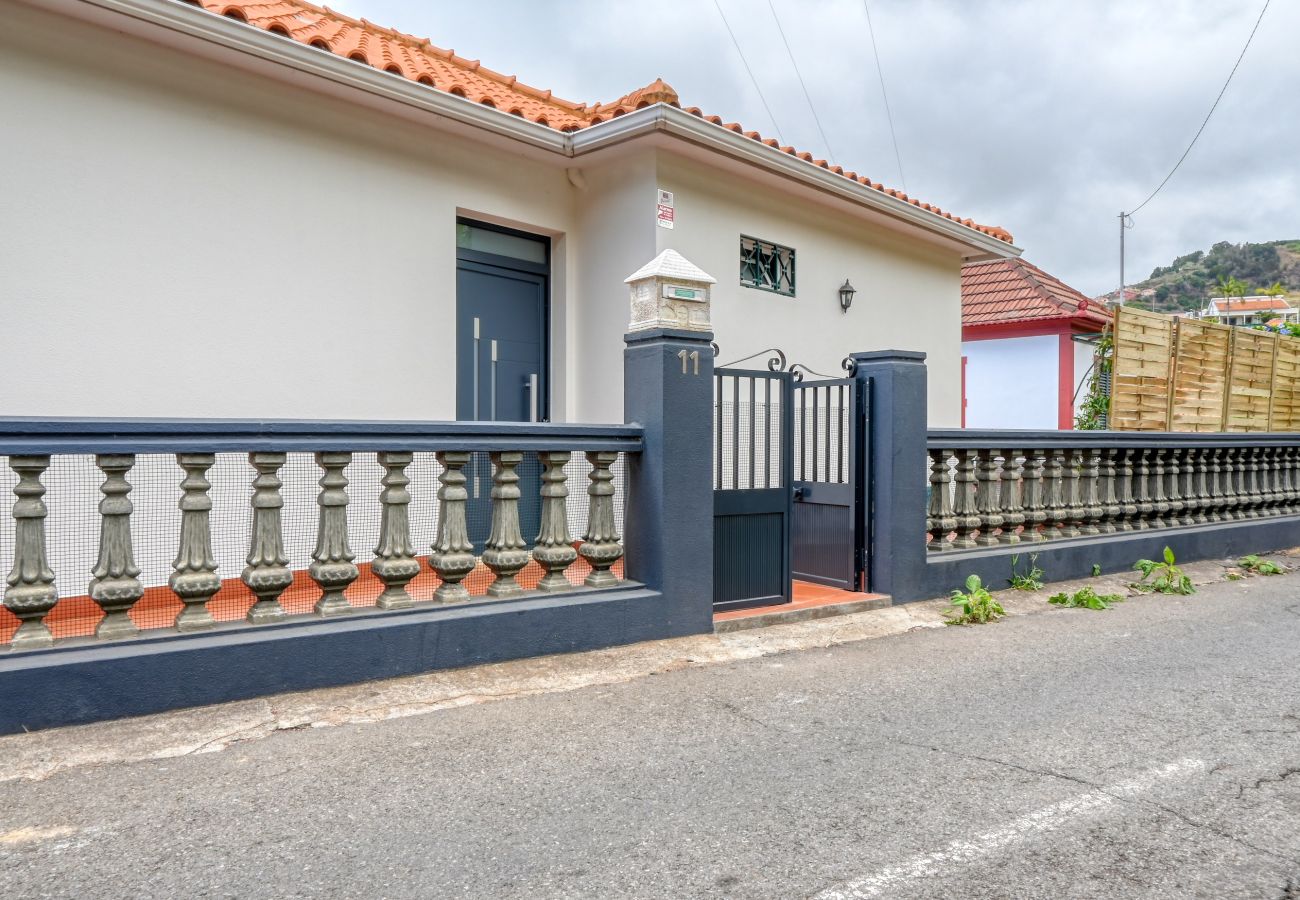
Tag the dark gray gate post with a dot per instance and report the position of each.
(895, 515)
(667, 389)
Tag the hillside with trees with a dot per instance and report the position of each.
(1189, 281)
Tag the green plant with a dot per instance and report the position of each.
(1085, 598)
(1096, 570)
(1027, 581)
(1253, 563)
(1162, 577)
(976, 604)
(1233, 576)
(1096, 404)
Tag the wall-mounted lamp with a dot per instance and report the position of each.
(846, 295)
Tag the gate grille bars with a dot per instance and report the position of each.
(1009, 487)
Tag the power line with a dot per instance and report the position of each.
(829, 152)
(735, 43)
(1210, 113)
(883, 93)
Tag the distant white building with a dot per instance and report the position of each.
(1255, 310)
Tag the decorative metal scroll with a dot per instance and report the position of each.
(778, 362)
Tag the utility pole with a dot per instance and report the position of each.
(1125, 222)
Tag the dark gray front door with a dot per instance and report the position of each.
(501, 358)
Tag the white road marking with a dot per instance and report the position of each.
(1023, 828)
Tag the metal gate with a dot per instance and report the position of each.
(752, 487)
(789, 484)
(830, 478)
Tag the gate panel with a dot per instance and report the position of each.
(751, 488)
(829, 432)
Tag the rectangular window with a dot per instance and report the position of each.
(766, 266)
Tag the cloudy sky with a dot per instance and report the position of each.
(1045, 117)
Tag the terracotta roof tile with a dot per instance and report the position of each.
(1002, 291)
(419, 60)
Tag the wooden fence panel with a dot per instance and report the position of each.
(1285, 415)
(1139, 399)
(1200, 376)
(1250, 380)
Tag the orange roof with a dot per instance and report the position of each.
(1003, 291)
(1250, 304)
(419, 60)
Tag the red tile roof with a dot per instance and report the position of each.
(419, 60)
(1015, 290)
(1249, 304)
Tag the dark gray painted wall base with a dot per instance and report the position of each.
(77, 684)
(1074, 558)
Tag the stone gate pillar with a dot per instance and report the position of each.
(668, 390)
(898, 469)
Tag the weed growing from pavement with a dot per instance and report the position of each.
(1096, 570)
(1253, 563)
(1026, 581)
(1162, 577)
(976, 604)
(1085, 598)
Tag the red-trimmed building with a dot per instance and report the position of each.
(1021, 363)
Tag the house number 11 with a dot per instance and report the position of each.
(694, 357)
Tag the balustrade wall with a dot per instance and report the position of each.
(110, 544)
(991, 489)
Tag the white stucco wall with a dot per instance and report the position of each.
(1012, 382)
(1082, 372)
(184, 239)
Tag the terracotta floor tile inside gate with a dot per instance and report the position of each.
(806, 596)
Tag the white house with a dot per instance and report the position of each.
(1026, 348)
(1252, 310)
(270, 209)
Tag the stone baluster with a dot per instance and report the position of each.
(553, 548)
(332, 568)
(266, 574)
(1156, 479)
(1256, 480)
(1223, 484)
(395, 563)
(1035, 511)
(1013, 515)
(1143, 496)
(505, 551)
(986, 498)
(1072, 494)
(600, 545)
(1109, 503)
(1269, 481)
(940, 519)
(1228, 482)
(30, 594)
(453, 552)
(1092, 488)
(113, 584)
(963, 503)
(1173, 486)
(194, 571)
(1198, 492)
(1237, 502)
(1126, 519)
(1289, 481)
(1055, 495)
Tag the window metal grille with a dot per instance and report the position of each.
(766, 266)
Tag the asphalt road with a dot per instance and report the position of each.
(1152, 750)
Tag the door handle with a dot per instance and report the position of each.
(530, 387)
(477, 341)
(492, 386)
(800, 492)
